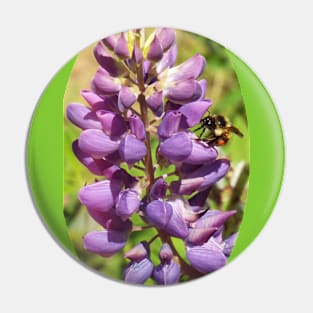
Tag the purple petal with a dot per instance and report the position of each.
(167, 274)
(137, 55)
(214, 218)
(98, 167)
(193, 112)
(110, 220)
(158, 189)
(170, 124)
(100, 196)
(177, 226)
(203, 83)
(155, 52)
(126, 98)
(131, 149)
(127, 203)
(159, 213)
(104, 84)
(137, 127)
(166, 37)
(106, 61)
(110, 41)
(138, 272)
(82, 117)
(211, 173)
(176, 148)
(186, 186)
(229, 244)
(166, 253)
(168, 60)
(96, 102)
(155, 103)
(96, 143)
(105, 242)
(201, 154)
(198, 236)
(184, 91)
(206, 258)
(121, 47)
(112, 124)
(190, 69)
(139, 252)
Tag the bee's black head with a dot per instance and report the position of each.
(221, 121)
(208, 122)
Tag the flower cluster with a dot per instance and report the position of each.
(138, 94)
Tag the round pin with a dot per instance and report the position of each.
(155, 156)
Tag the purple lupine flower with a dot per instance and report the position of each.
(140, 268)
(208, 257)
(137, 81)
(168, 271)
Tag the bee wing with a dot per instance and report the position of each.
(235, 130)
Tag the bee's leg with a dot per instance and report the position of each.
(203, 130)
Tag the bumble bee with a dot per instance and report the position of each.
(220, 130)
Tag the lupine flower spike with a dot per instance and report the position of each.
(137, 81)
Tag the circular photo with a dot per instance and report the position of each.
(156, 156)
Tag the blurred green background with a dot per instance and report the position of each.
(230, 193)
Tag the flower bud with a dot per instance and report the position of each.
(201, 154)
(137, 127)
(166, 37)
(166, 253)
(105, 242)
(121, 47)
(167, 273)
(98, 167)
(192, 112)
(82, 117)
(155, 52)
(155, 103)
(100, 196)
(126, 98)
(139, 252)
(206, 258)
(105, 85)
(127, 203)
(159, 213)
(176, 148)
(96, 143)
(131, 149)
(170, 124)
(106, 61)
(184, 91)
(110, 41)
(190, 69)
(138, 272)
(158, 189)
